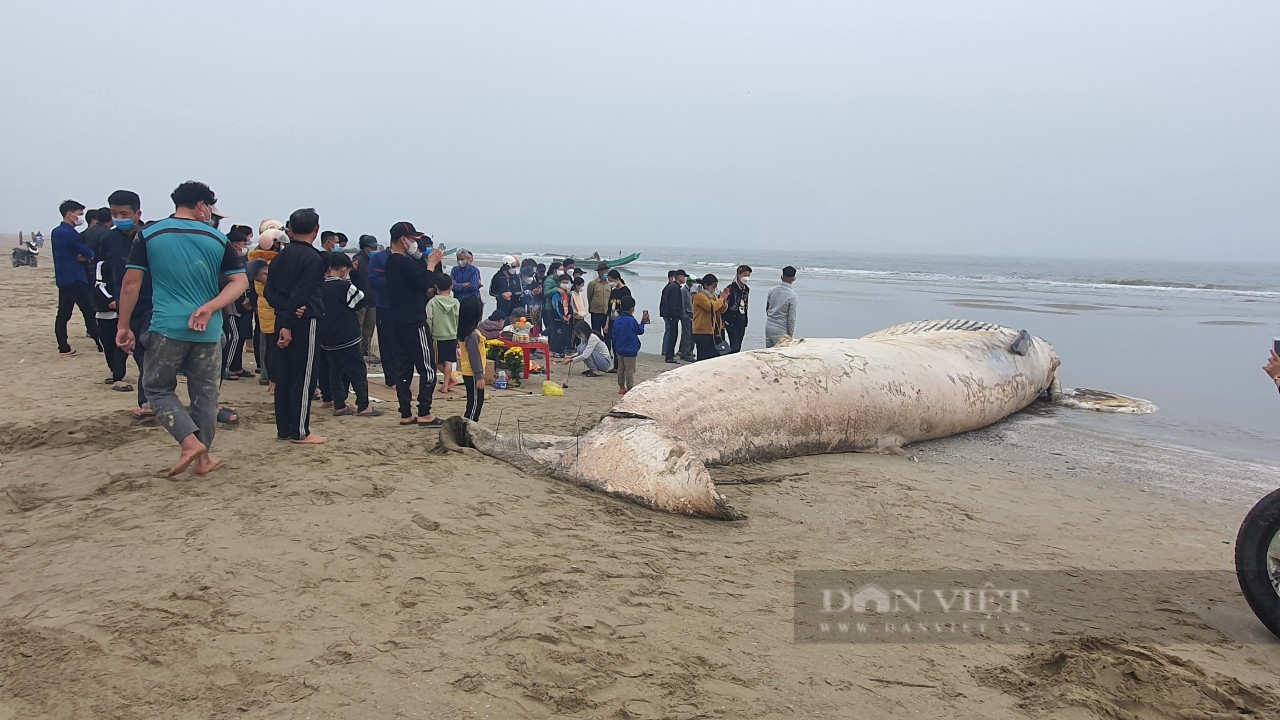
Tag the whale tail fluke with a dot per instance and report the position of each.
(631, 458)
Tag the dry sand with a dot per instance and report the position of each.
(377, 577)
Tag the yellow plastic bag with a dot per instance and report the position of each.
(552, 389)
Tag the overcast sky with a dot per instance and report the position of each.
(1133, 129)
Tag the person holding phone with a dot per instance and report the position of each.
(1272, 368)
(708, 323)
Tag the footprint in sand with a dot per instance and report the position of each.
(413, 592)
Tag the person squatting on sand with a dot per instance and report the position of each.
(186, 259)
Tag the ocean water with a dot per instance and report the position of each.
(1191, 337)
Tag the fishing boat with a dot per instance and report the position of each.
(611, 262)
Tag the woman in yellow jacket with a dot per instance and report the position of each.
(266, 327)
(708, 325)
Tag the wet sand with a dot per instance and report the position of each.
(379, 577)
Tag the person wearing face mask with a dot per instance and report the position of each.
(780, 309)
(598, 298)
(408, 279)
(367, 313)
(735, 314)
(126, 221)
(195, 274)
(506, 287)
(560, 318)
(295, 289)
(708, 324)
(237, 319)
(617, 290)
(532, 287)
(466, 277)
(69, 251)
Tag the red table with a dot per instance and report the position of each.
(528, 347)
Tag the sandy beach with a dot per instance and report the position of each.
(381, 576)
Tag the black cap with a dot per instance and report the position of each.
(404, 229)
(602, 266)
(368, 241)
(577, 270)
(681, 272)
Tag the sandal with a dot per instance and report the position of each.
(344, 412)
(122, 386)
(408, 422)
(141, 412)
(432, 424)
(227, 416)
(591, 373)
(369, 412)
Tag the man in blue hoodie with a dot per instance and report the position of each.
(69, 251)
(382, 313)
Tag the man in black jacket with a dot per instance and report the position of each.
(408, 279)
(735, 314)
(671, 308)
(367, 312)
(293, 289)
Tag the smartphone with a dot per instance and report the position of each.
(1275, 345)
(645, 320)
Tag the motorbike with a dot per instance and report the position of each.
(1258, 560)
(26, 255)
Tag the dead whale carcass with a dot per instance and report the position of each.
(911, 382)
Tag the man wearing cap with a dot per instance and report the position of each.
(367, 313)
(407, 282)
(598, 297)
(671, 308)
(294, 290)
(686, 319)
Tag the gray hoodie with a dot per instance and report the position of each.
(780, 313)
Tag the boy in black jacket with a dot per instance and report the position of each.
(339, 338)
(293, 289)
(106, 287)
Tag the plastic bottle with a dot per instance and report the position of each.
(501, 380)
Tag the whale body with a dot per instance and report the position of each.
(907, 383)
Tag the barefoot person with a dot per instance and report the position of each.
(294, 290)
(186, 260)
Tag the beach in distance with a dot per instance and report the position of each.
(385, 576)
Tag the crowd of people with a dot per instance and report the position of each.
(184, 300)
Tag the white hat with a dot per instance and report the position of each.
(510, 260)
(272, 234)
(268, 224)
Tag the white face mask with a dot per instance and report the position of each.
(462, 262)
(565, 286)
(79, 221)
(744, 279)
